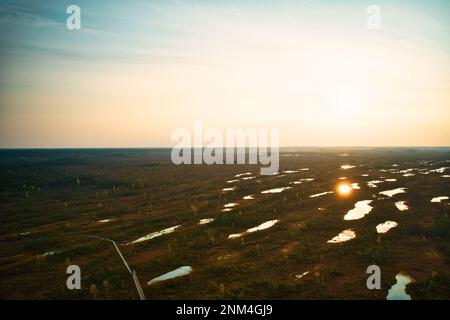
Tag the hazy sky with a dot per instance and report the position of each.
(138, 70)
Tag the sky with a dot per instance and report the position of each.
(137, 71)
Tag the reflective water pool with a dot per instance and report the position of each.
(359, 211)
(181, 271)
(398, 290)
(343, 236)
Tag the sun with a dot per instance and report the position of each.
(347, 99)
(344, 189)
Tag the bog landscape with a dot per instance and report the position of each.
(309, 231)
(117, 181)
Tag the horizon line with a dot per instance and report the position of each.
(223, 147)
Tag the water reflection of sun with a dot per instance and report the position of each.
(343, 189)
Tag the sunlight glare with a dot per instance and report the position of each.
(344, 189)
